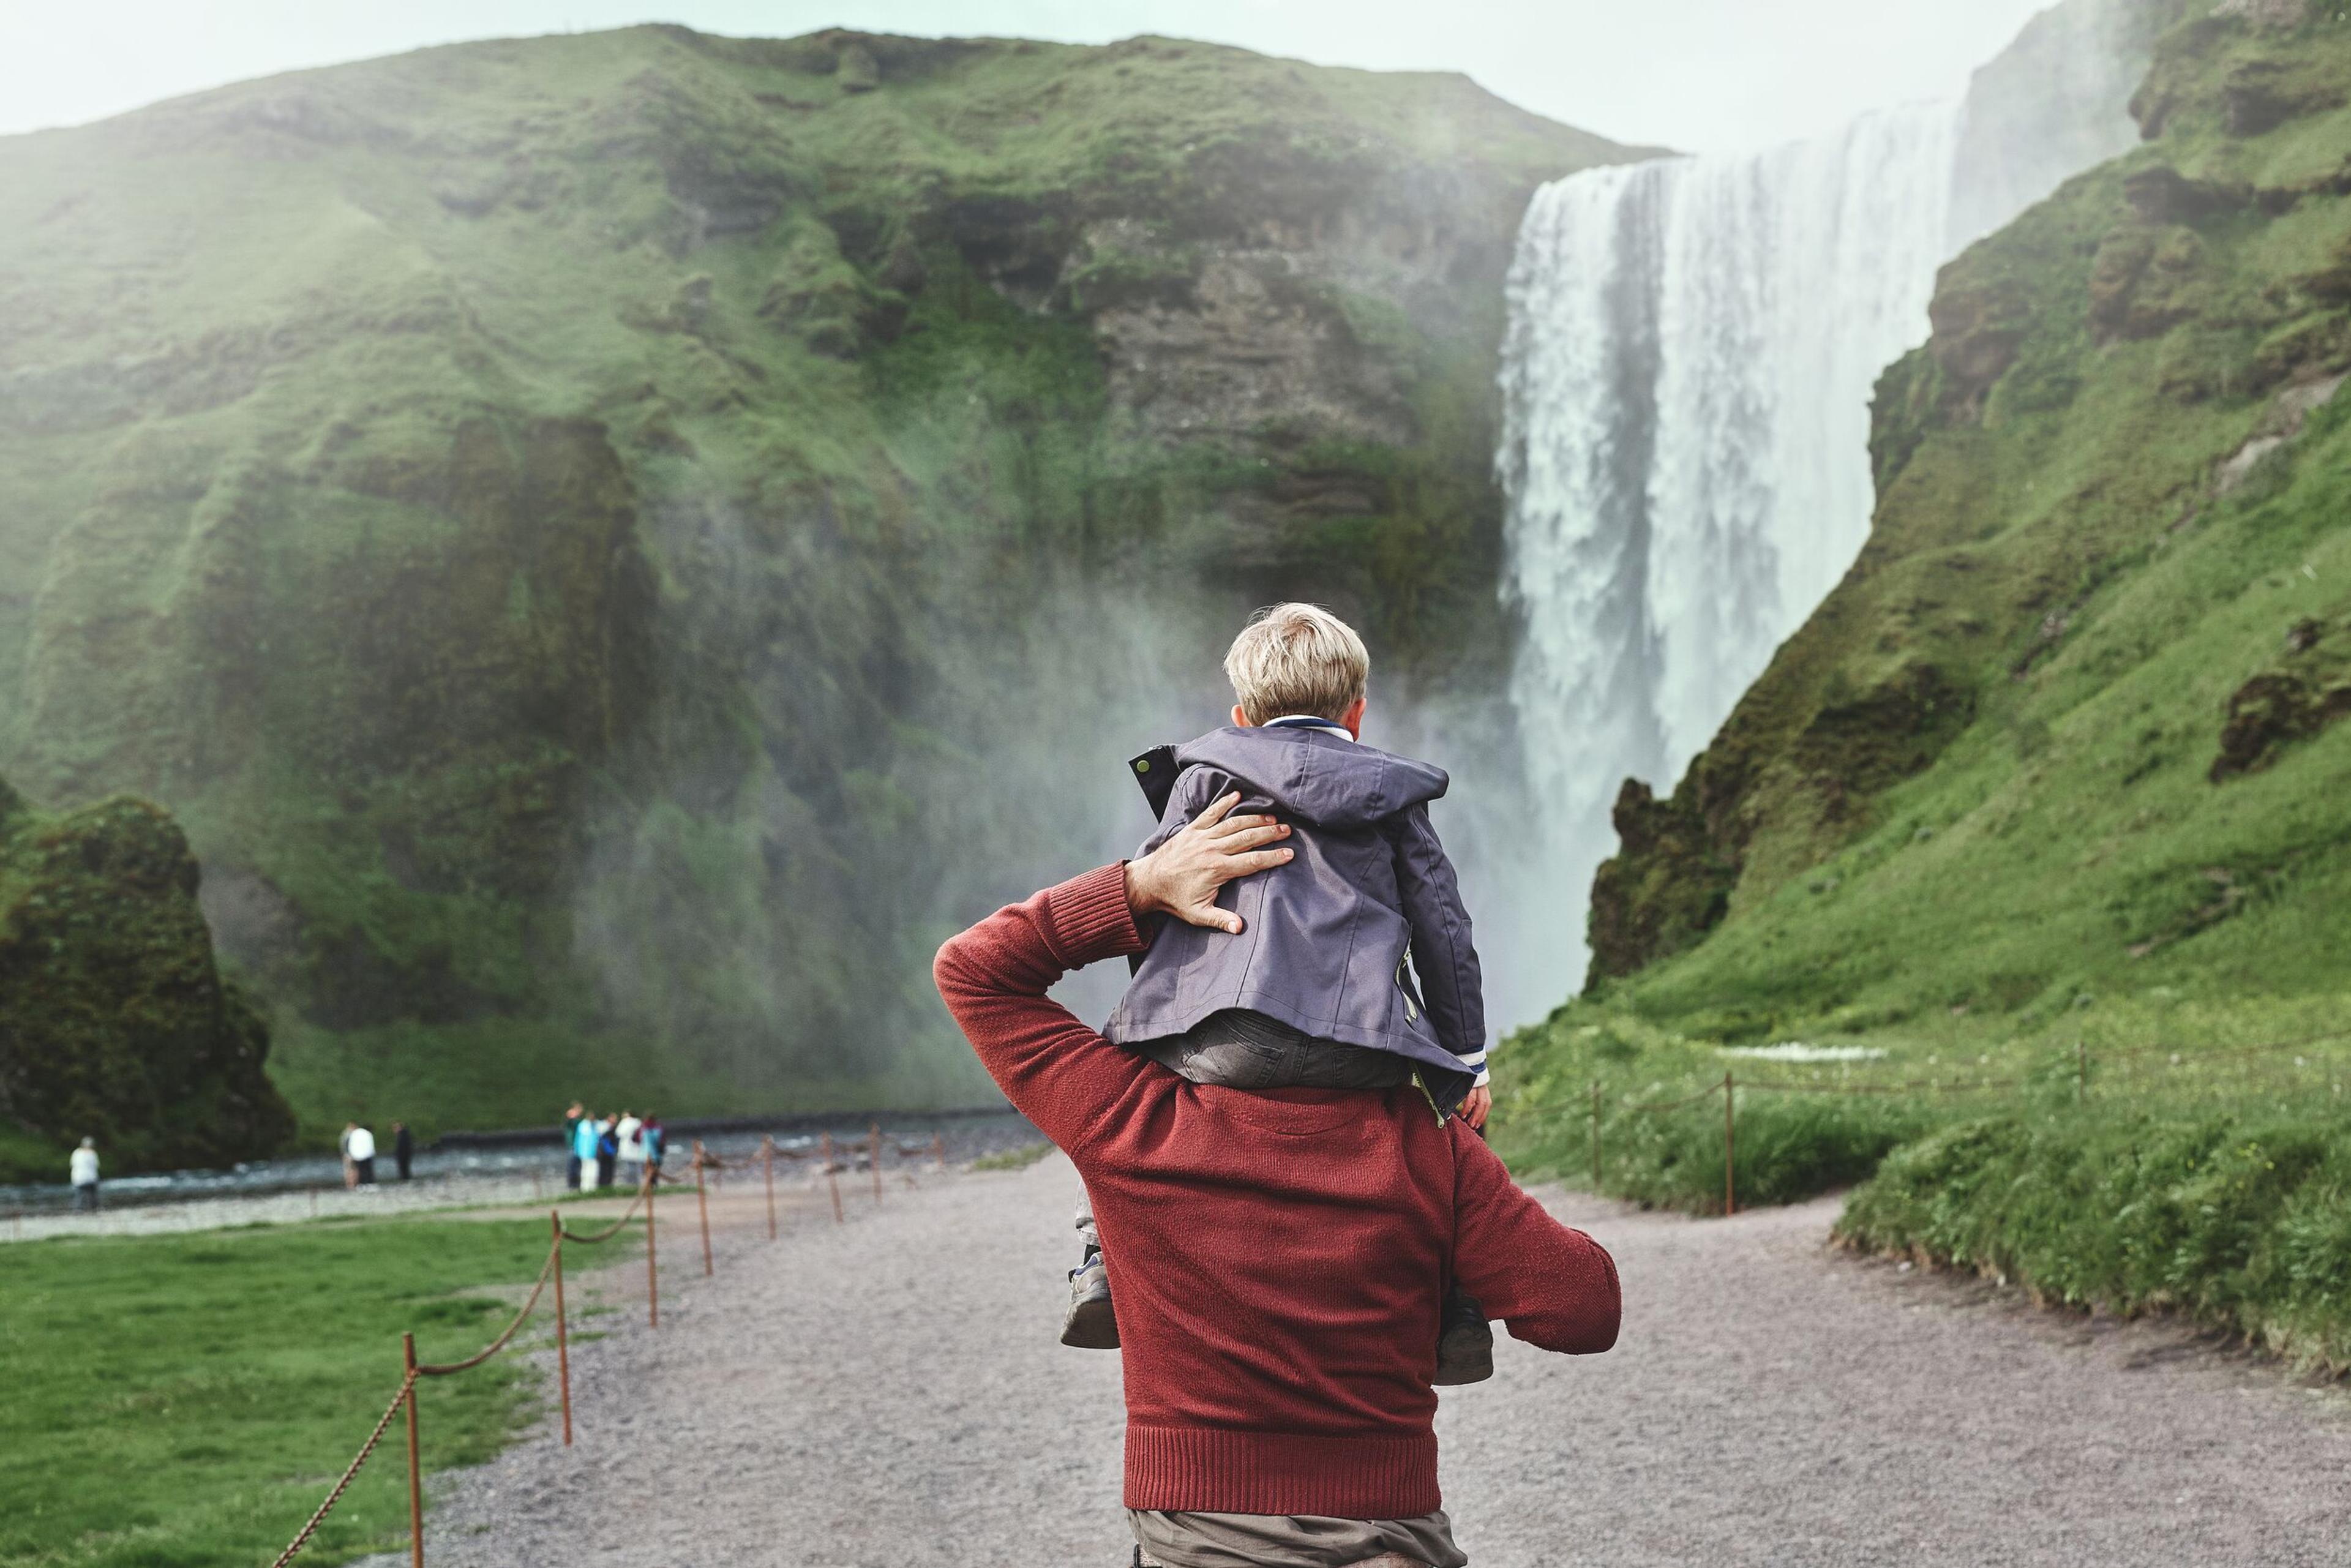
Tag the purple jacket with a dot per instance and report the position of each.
(1327, 937)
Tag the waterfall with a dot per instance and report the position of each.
(1692, 347)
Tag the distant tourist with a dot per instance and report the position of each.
(350, 1168)
(404, 1148)
(628, 1132)
(654, 1141)
(360, 1144)
(584, 1153)
(608, 1151)
(571, 1146)
(84, 1165)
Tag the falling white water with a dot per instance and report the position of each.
(1692, 347)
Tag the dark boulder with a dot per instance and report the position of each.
(115, 1022)
(2305, 691)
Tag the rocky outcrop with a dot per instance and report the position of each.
(1668, 883)
(2050, 105)
(2308, 689)
(114, 1020)
(2266, 13)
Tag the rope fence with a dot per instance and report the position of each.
(704, 1167)
(2084, 1058)
(351, 1472)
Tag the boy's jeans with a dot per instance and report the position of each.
(1240, 1050)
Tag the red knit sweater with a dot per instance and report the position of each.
(1277, 1258)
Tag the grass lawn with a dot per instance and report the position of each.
(187, 1401)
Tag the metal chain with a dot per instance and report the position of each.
(407, 1387)
(1926, 1087)
(1707, 1093)
(2192, 1056)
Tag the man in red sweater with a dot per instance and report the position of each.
(1278, 1257)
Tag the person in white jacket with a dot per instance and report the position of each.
(628, 1132)
(360, 1146)
(83, 1166)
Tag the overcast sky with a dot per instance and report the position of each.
(1704, 75)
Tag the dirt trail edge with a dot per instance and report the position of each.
(889, 1394)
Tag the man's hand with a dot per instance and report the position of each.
(1181, 876)
(1477, 1106)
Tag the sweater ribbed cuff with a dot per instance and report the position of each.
(1091, 918)
(1203, 1469)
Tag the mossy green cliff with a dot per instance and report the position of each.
(2066, 735)
(114, 1022)
(612, 544)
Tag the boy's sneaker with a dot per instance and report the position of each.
(1090, 1324)
(1465, 1348)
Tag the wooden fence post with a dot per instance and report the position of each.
(652, 1272)
(415, 1469)
(1729, 1191)
(768, 1161)
(874, 1155)
(562, 1334)
(702, 1200)
(1595, 1134)
(833, 1180)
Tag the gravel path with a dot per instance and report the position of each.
(888, 1394)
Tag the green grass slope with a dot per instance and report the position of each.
(582, 531)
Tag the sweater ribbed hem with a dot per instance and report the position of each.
(1091, 919)
(1203, 1469)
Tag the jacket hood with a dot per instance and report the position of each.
(1317, 776)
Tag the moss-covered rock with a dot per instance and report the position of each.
(114, 1021)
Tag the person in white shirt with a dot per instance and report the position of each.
(360, 1144)
(84, 1168)
(630, 1132)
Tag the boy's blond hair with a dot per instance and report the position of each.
(1297, 659)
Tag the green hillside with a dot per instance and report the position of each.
(2062, 742)
(613, 544)
(2030, 854)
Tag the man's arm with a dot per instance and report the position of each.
(1442, 953)
(1058, 1073)
(1554, 1288)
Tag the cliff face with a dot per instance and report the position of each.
(2069, 719)
(613, 544)
(114, 1022)
(2051, 104)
